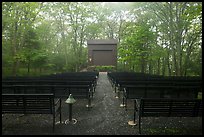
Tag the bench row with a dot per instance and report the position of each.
(43, 95)
(70, 75)
(158, 96)
(79, 84)
(157, 88)
(170, 107)
(59, 91)
(32, 104)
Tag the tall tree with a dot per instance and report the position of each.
(18, 16)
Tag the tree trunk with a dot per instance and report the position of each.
(150, 67)
(28, 66)
(63, 42)
(14, 49)
(168, 64)
(175, 63)
(142, 65)
(164, 66)
(158, 66)
(172, 40)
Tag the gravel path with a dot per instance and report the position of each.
(104, 118)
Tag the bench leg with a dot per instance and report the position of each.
(133, 122)
(125, 104)
(117, 93)
(92, 92)
(89, 103)
(60, 110)
(53, 126)
(139, 124)
(94, 88)
(123, 100)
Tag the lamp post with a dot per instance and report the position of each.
(70, 101)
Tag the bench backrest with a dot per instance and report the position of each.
(170, 107)
(78, 91)
(28, 103)
(151, 91)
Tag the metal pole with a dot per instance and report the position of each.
(134, 111)
(133, 122)
(70, 112)
(123, 100)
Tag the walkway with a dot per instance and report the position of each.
(104, 118)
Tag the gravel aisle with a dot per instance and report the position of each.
(104, 118)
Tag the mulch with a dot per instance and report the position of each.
(106, 117)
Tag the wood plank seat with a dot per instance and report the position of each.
(155, 86)
(32, 104)
(171, 107)
(74, 74)
(181, 85)
(40, 81)
(73, 78)
(59, 91)
(49, 82)
(77, 74)
(122, 84)
(158, 91)
(135, 78)
(147, 80)
(82, 79)
(117, 77)
(69, 76)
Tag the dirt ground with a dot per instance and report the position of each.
(106, 117)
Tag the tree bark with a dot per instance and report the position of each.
(164, 66)
(158, 66)
(14, 48)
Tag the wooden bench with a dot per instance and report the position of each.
(59, 91)
(77, 78)
(49, 82)
(78, 91)
(118, 79)
(159, 91)
(31, 104)
(160, 107)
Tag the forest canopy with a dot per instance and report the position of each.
(163, 38)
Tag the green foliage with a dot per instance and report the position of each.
(160, 37)
(104, 68)
(136, 47)
(40, 59)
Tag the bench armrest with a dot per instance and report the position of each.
(56, 101)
